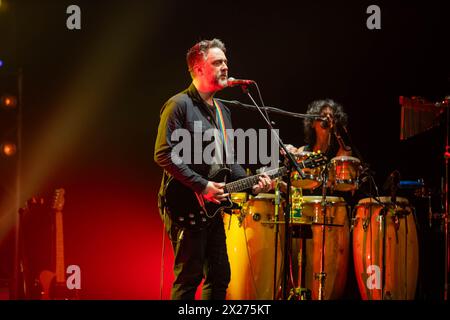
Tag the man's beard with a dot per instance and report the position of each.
(221, 82)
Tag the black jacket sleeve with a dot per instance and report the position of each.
(172, 117)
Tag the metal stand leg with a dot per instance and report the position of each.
(300, 292)
(321, 276)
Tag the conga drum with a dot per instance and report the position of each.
(336, 248)
(337, 245)
(251, 250)
(385, 249)
(344, 173)
(312, 176)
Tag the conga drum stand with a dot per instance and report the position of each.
(302, 232)
(321, 276)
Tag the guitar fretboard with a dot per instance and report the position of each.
(60, 270)
(245, 183)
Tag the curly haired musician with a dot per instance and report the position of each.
(319, 134)
(202, 253)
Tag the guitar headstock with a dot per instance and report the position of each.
(58, 199)
(315, 159)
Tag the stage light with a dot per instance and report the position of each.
(1, 61)
(8, 149)
(8, 101)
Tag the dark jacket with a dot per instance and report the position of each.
(181, 111)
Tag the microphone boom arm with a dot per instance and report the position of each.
(271, 110)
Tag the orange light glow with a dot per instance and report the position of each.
(9, 102)
(9, 149)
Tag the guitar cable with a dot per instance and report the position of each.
(161, 275)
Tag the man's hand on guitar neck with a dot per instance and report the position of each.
(214, 192)
(264, 184)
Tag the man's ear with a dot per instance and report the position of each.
(198, 69)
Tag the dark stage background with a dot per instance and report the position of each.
(91, 101)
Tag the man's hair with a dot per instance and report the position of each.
(198, 52)
(316, 108)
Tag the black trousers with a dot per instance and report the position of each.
(200, 254)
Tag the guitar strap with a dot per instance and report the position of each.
(221, 123)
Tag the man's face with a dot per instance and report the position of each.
(215, 70)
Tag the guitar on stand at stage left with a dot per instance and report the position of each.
(53, 284)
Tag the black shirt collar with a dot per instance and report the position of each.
(194, 95)
(192, 92)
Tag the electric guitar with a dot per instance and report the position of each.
(53, 284)
(188, 209)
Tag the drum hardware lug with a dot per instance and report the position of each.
(354, 223)
(320, 275)
(402, 212)
(299, 294)
(380, 218)
(256, 216)
(366, 222)
(328, 220)
(240, 219)
(243, 214)
(269, 219)
(396, 222)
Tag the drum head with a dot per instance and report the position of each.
(239, 197)
(265, 196)
(383, 200)
(318, 199)
(345, 158)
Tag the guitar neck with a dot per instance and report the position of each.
(60, 272)
(245, 183)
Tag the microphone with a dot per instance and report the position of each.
(391, 184)
(325, 123)
(238, 82)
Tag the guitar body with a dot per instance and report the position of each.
(51, 289)
(46, 278)
(188, 209)
(53, 284)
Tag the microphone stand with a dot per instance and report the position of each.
(271, 110)
(291, 165)
(445, 194)
(321, 276)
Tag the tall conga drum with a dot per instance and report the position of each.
(251, 249)
(336, 248)
(386, 249)
(308, 225)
